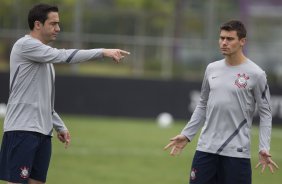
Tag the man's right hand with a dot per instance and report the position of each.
(116, 54)
(177, 144)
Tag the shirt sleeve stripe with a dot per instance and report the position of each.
(264, 92)
(14, 78)
(71, 56)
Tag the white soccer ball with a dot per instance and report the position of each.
(3, 108)
(164, 120)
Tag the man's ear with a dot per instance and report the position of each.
(37, 25)
(243, 41)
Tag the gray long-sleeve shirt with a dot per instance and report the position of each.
(31, 102)
(229, 96)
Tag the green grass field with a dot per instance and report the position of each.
(130, 151)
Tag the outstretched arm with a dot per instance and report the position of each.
(39, 52)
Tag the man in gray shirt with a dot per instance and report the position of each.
(231, 89)
(30, 119)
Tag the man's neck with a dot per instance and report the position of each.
(36, 36)
(234, 60)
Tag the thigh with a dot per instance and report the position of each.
(17, 153)
(235, 170)
(42, 159)
(203, 169)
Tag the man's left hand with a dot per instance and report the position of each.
(266, 161)
(64, 137)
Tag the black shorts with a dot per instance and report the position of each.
(208, 168)
(24, 155)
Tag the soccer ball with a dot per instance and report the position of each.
(164, 120)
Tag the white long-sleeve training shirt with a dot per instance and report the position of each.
(32, 90)
(226, 108)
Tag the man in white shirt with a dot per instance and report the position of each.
(231, 89)
(30, 118)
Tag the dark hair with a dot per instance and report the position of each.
(40, 13)
(235, 25)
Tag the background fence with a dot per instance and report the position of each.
(172, 39)
(131, 97)
(171, 42)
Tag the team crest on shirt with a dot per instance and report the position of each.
(24, 172)
(193, 174)
(241, 80)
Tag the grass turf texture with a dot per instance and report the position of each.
(125, 151)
